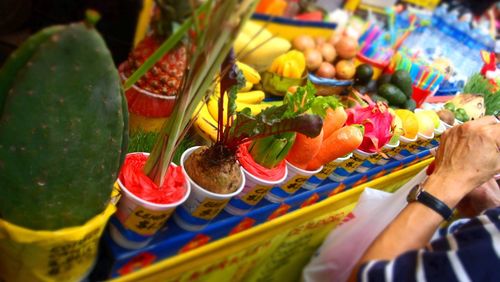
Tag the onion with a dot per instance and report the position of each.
(303, 42)
(347, 47)
(320, 41)
(313, 59)
(345, 69)
(328, 52)
(326, 70)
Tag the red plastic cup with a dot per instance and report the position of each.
(420, 95)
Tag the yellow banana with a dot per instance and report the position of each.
(213, 107)
(252, 97)
(248, 86)
(205, 124)
(254, 108)
(251, 75)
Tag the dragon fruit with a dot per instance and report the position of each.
(377, 121)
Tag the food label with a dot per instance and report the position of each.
(351, 164)
(256, 194)
(326, 171)
(209, 208)
(147, 222)
(294, 184)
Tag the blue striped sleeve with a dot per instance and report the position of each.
(472, 253)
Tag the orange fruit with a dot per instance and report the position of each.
(410, 123)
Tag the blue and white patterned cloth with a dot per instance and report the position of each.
(466, 251)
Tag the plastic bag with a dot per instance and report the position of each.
(345, 245)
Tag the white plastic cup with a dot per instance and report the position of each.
(202, 206)
(138, 220)
(295, 179)
(316, 180)
(254, 191)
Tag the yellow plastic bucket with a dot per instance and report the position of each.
(63, 255)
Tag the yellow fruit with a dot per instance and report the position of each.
(299, 59)
(433, 115)
(213, 107)
(248, 86)
(205, 124)
(425, 124)
(252, 97)
(410, 123)
(251, 75)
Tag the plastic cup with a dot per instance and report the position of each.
(316, 180)
(420, 95)
(423, 141)
(390, 151)
(148, 111)
(347, 168)
(296, 177)
(406, 147)
(136, 221)
(254, 191)
(202, 206)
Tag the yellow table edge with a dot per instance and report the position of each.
(187, 261)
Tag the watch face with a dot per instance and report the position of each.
(413, 195)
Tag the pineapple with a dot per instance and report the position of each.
(165, 77)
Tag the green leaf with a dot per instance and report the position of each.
(270, 122)
(270, 151)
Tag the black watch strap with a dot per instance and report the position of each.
(435, 204)
(418, 194)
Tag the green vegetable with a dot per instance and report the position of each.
(364, 74)
(383, 79)
(272, 150)
(403, 81)
(461, 115)
(63, 133)
(410, 105)
(377, 98)
(393, 94)
(449, 106)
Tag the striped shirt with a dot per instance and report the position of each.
(468, 251)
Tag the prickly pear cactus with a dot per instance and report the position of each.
(63, 129)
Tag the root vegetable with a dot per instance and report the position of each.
(345, 69)
(313, 59)
(303, 42)
(326, 70)
(347, 47)
(328, 52)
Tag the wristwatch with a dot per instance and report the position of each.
(417, 193)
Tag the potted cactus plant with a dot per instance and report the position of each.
(63, 137)
(213, 27)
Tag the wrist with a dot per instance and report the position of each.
(446, 188)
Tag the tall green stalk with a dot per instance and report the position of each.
(219, 26)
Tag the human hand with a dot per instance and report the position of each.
(480, 199)
(469, 154)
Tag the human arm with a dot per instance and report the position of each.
(468, 156)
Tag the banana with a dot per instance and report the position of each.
(251, 75)
(254, 54)
(248, 86)
(251, 97)
(205, 124)
(213, 107)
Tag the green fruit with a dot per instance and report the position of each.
(377, 98)
(403, 81)
(383, 79)
(461, 115)
(364, 74)
(63, 129)
(372, 86)
(392, 93)
(410, 105)
(449, 106)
